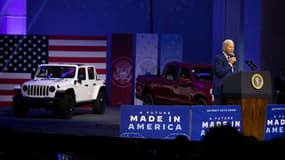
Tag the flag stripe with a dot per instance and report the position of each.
(77, 48)
(76, 54)
(5, 103)
(12, 81)
(6, 98)
(98, 65)
(68, 59)
(101, 76)
(7, 86)
(6, 92)
(101, 71)
(78, 37)
(8, 81)
(53, 42)
(8, 75)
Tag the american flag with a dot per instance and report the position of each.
(20, 55)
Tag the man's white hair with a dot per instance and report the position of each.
(227, 41)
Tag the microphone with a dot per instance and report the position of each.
(231, 55)
(251, 65)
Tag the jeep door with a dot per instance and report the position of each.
(92, 92)
(82, 87)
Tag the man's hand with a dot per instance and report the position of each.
(232, 60)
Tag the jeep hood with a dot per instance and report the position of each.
(50, 82)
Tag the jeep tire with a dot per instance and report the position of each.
(65, 107)
(19, 108)
(99, 106)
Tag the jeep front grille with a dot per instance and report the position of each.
(37, 90)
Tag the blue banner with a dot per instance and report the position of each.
(275, 122)
(154, 121)
(205, 117)
(146, 57)
(171, 49)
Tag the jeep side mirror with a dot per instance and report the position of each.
(185, 81)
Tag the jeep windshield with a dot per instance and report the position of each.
(203, 74)
(56, 72)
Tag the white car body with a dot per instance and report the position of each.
(52, 81)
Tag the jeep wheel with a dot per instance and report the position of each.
(19, 109)
(99, 106)
(65, 107)
(147, 99)
(200, 101)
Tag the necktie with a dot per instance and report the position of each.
(232, 67)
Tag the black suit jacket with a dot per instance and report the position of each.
(222, 69)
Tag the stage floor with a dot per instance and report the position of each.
(83, 122)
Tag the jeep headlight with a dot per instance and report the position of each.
(25, 88)
(51, 89)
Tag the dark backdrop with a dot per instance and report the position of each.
(259, 36)
(190, 18)
(273, 37)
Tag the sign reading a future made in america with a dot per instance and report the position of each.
(158, 122)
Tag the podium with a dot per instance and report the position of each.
(252, 91)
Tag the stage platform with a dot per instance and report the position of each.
(83, 122)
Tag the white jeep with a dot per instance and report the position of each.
(61, 87)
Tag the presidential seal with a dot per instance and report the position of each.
(121, 72)
(257, 81)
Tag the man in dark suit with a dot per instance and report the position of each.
(225, 64)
